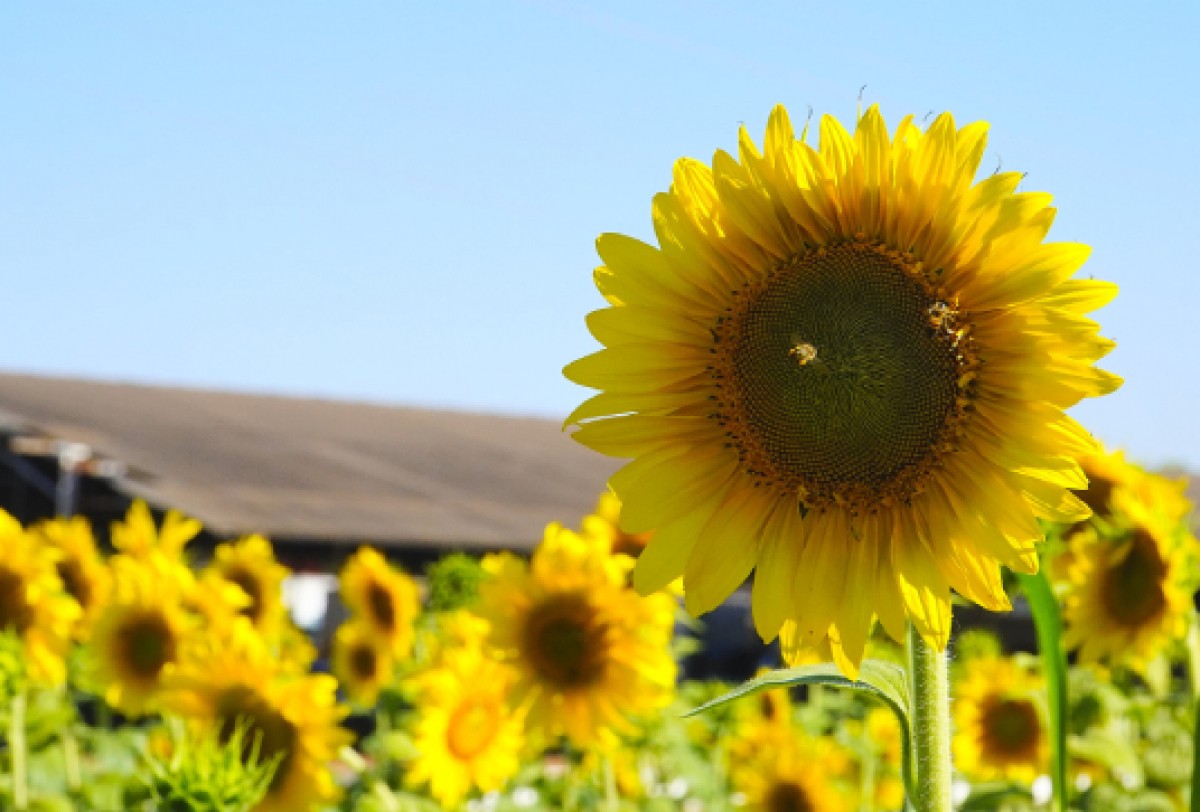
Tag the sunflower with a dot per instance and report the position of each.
(589, 652)
(220, 681)
(467, 736)
(385, 597)
(792, 774)
(1129, 591)
(139, 537)
(999, 731)
(847, 367)
(361, 664)
(138, 634)
(83, 572)
(250, 564)
(604, 526)
(33, 602)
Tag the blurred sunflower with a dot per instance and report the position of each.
(138, 635)
(795, 774)
(138, 536)
(883, 731)
(999, 732)
(385, 597)
(250, 564)
(1130, 590)
(589, 653)
(33, 602)
(81, 569)
(467, 736)
(604, 526)
(220, 681)
(847, 367)
(362, 664)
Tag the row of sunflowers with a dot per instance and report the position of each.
(138, 681)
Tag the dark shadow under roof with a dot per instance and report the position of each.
(319, 469)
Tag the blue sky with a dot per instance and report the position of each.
(398, 201)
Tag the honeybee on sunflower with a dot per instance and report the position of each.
(846, 368)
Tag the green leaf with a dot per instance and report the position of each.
(876, 678)
(1048, 624)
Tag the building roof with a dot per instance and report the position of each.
(320, 470)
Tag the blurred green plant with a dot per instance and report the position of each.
(209, 773)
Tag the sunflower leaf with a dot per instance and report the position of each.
(1048, 624)
(876, 678)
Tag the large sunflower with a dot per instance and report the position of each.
(82, 570)
(999, 730)
(33, 603)
(138, 634)
(220, 681)
(589, 653)
(383, 596)
(847, 367)
(467, 735)
(1129, 589)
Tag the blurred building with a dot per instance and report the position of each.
(317, 477)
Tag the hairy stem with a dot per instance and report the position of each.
(931, 723)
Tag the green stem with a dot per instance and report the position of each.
(610, 786)
(16, 741)
(931, 723)
(1193, 662)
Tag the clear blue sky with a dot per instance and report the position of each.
(398, 201)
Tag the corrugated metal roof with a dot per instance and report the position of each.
(320, 469)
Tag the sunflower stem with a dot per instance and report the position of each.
(930, 677)
(16, 743)
(610, 786)
(1193, 662)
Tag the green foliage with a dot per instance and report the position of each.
(1048, 623)
(207, 774)
(453, 582)
(881, 680)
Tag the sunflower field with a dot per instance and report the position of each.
(842, 374)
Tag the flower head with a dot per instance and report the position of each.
(844, 367)
(589, 653)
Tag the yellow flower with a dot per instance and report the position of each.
(362, 664)
(139, 537)
(604, 527)
(83, 572)
(467, 736)
(1129, 594)
(222, 680)
(792, 774)
(384, 597)
(589, 652)
(250, 564)
(138, 634)
(33, 602)
(847, 367)
(999, 731)
(883, 730)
